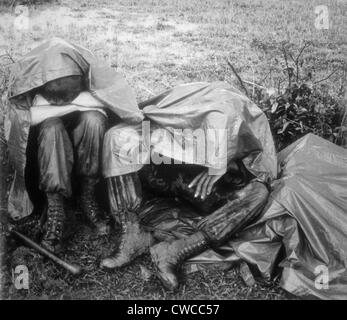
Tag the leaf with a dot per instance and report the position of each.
(285, 126)
(145, 273)
(274, 107)
(271, 92)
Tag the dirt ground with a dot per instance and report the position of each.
(156, 45)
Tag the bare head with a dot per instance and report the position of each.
(62, 91)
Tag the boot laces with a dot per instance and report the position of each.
(190, 250)
(124, 230)
(90, 204)
(55, 220)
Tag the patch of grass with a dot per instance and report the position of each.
(47, 281)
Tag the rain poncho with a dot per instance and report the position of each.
(303, 228)
(306, 217)
(54, 59)
(230, 125)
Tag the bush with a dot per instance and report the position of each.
(301, 110)
(300, 105)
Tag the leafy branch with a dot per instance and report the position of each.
(301, 107)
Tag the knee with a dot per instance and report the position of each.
(121, 134)
(112, 134)
(262, 189)
(93, 119)
(257, 191)
(51, 126)
(120, 145)
(113, 138)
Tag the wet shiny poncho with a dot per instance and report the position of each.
(51, 60)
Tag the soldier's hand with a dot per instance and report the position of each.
(204, 184)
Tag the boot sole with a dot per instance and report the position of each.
(114, 268)
(160, 277)
(124, 265)
(163, 282)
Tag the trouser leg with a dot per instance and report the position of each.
(55, 150)
(55, 157)
(87, 136)
(213, 230)
(124, 193)
(125, 196)
(229, 207)
(235, 215)
(87, 131)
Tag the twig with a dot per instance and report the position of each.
(343, 82)
(10, 56)
(148, 90)
(302, 50)
(340, 134)
(326, 78)
(291, 56)
(12, 3)
(254, 84)
(295, 60)
(238, 77)
(262, 80)
(287, 66)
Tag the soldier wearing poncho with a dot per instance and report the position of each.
(226, 184)
(59, 95)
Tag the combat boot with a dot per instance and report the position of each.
(168, 257)
(54, 226)
(134, 242)
(90, 206)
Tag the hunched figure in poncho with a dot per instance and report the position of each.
(48, 91)
(66, 134)
(228, 185)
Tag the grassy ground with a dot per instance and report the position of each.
(47, 281)
(158, 44)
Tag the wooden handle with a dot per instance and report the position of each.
(74, 269)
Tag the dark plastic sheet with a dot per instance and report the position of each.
(303, 229)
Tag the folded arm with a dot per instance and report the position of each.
(41, 113)
(42, 110)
